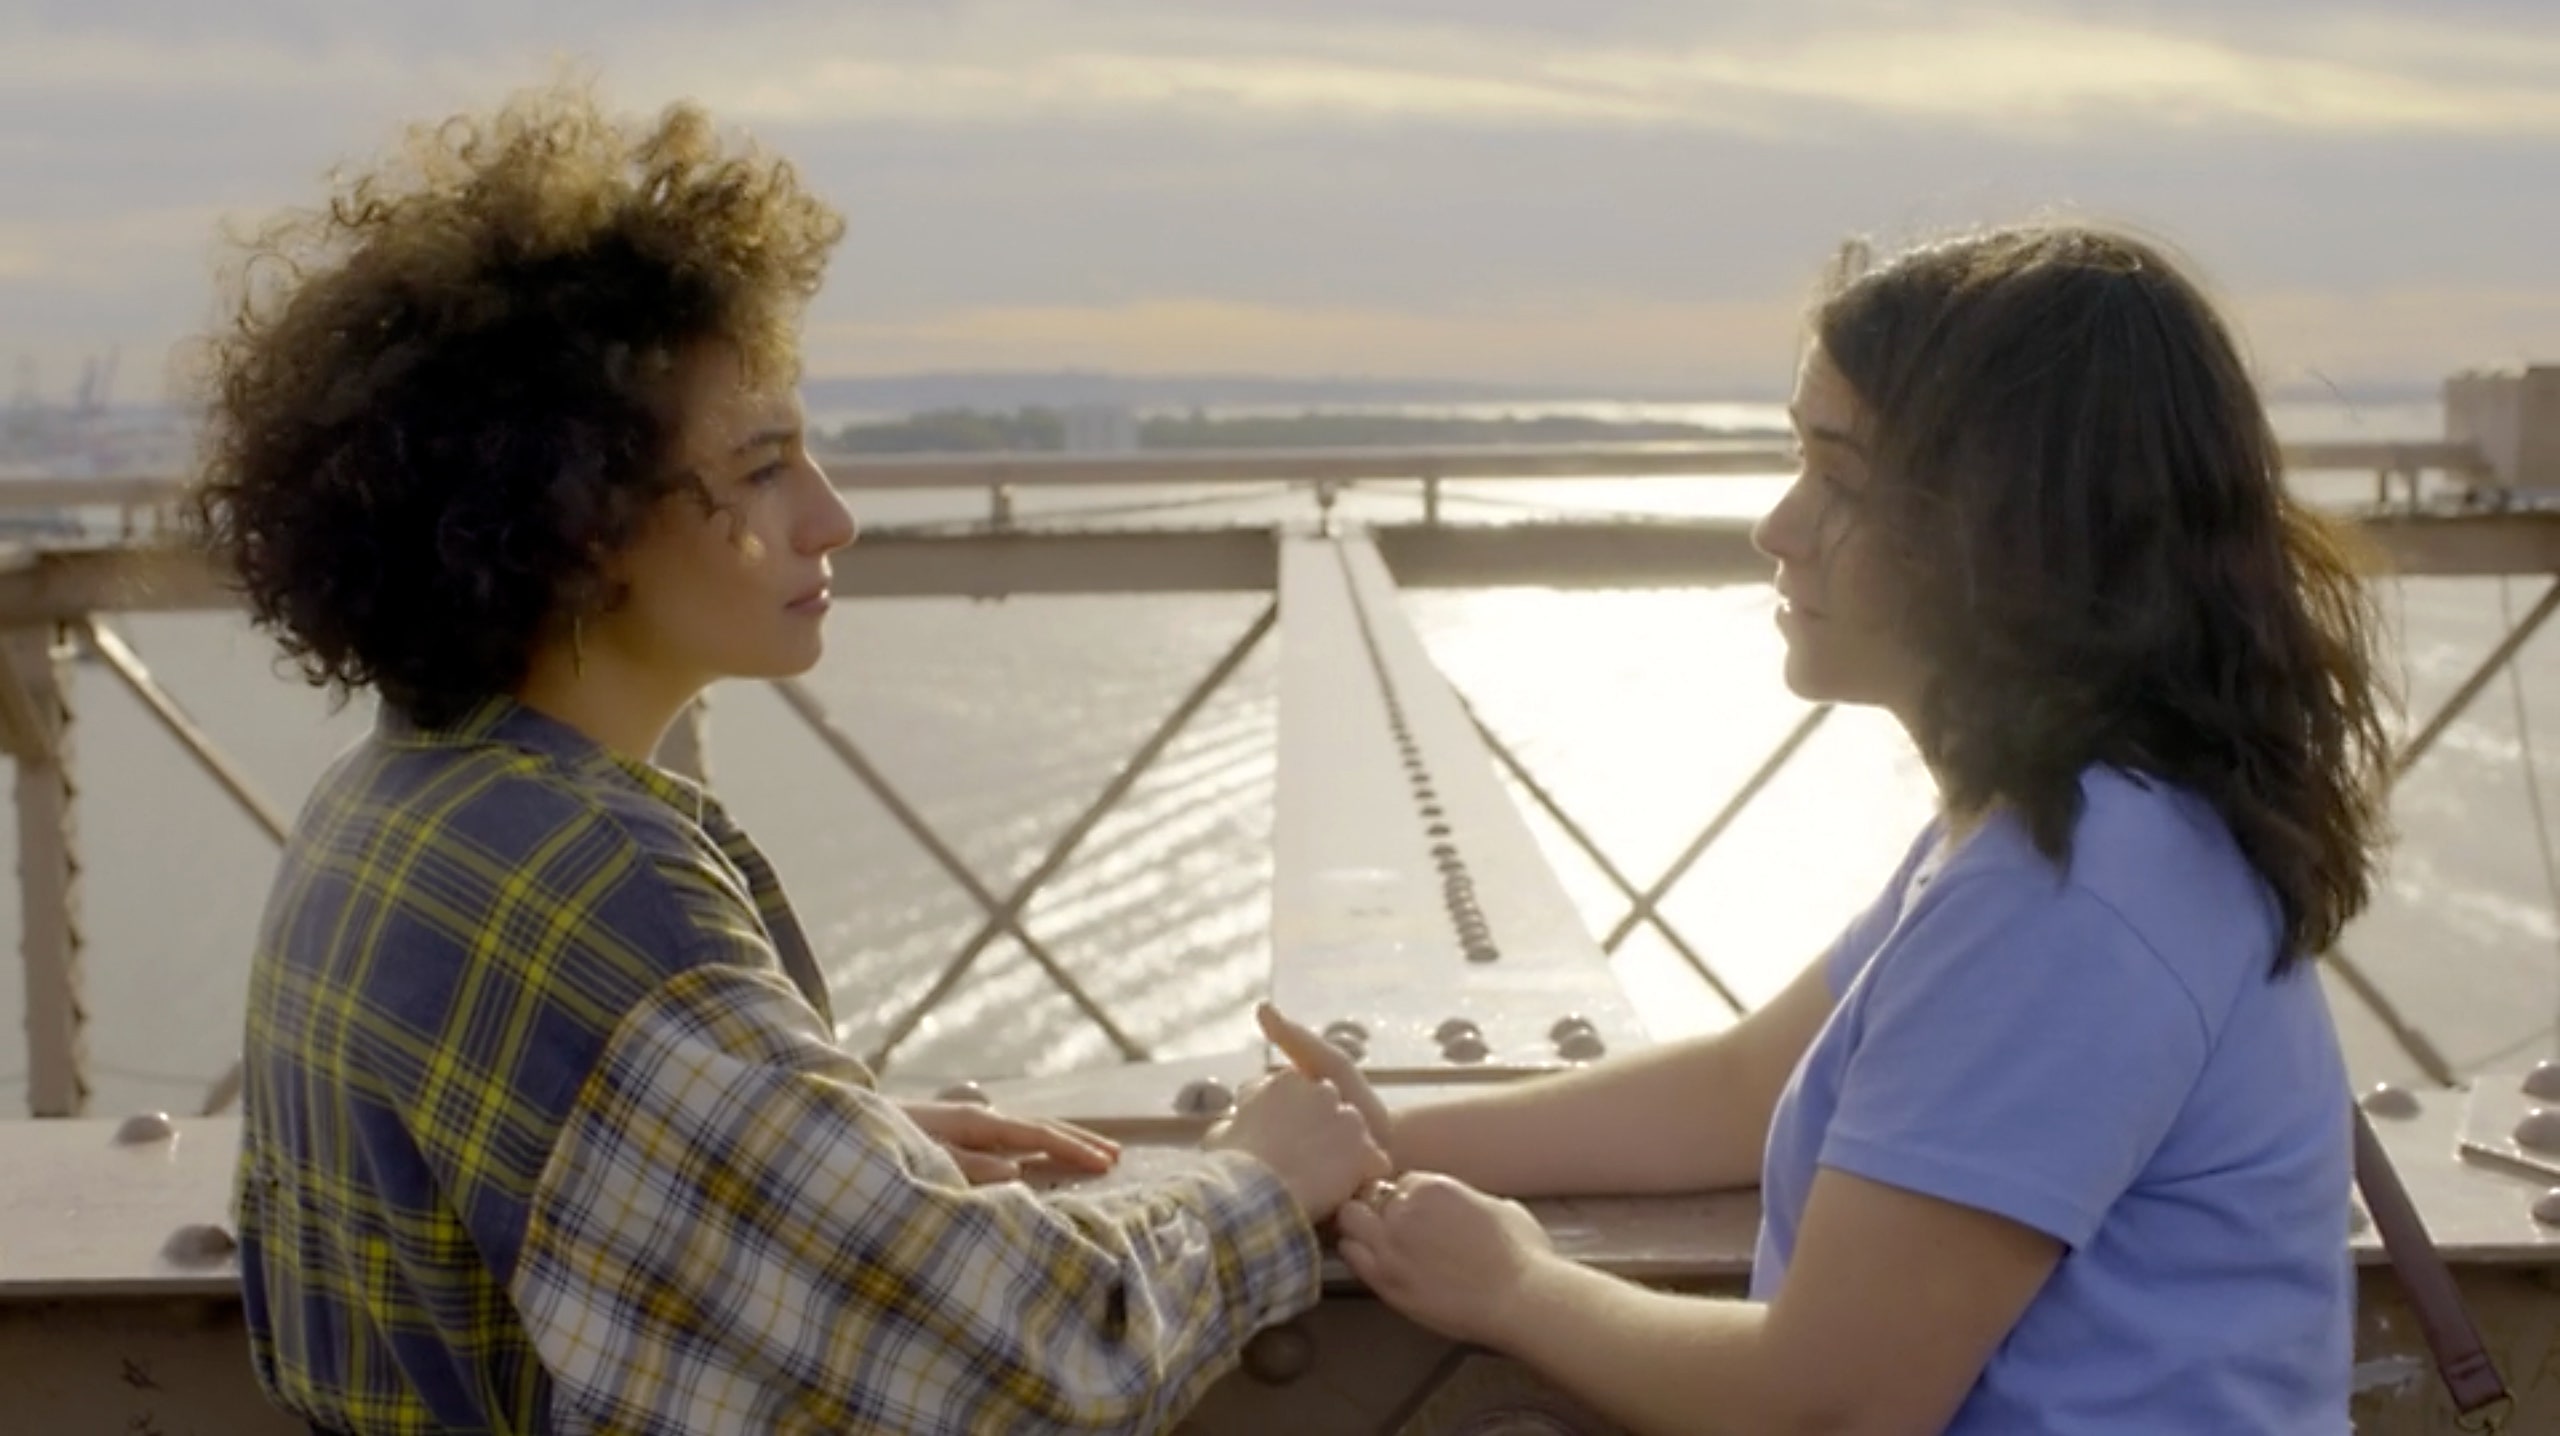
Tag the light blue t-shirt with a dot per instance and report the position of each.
(2102, 1056)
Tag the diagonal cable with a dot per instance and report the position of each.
(1005, 917)
(1591, 849)
(1759, 779)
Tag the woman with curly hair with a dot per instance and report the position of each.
(546, 1128)
(2057, 1136)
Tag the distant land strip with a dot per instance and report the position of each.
(1038, 430)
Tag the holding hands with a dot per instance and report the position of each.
(1309, 1135)
(1445, 1254)
(1434, 1248)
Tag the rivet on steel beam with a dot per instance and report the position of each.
(200, 1244)
(1279, 1355)
(969, 1092)
(2540, 1130)
(2543, 1082)
(1453, 1029)
(2386, 1100)
(1577, 1039)
(2546, 1208)
(1204, 1097)
(1349, 1038)
(1480, 952)
(143, 1128)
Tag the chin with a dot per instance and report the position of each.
(1806, 680)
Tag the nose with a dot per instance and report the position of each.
(1785, 532)
(828, 524)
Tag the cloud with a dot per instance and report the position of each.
(1999, 68)
(2295, 335)
(105, 251)
(1751, 68)
(2398, 332)
(1505, 187)
(1600, 339)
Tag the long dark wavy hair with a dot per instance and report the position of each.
(439, 403)
(2077, 476)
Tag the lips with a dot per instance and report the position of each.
(813, 596)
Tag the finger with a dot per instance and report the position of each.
(1356, 1220)
(1073, 1145)
(984, 1168)
(1099, 1142)
(1305, 1048)
(996, 1132)
(1379, 1164)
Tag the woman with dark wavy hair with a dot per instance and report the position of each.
(545, 1124)
(2056, 1138)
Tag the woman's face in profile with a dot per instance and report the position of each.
(1839, 603)
(730, 581)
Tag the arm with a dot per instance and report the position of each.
(1895, 1305)
(735, 1224)
(1684, 1116)
(2017, 1064)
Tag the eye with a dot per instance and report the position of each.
(768, 474)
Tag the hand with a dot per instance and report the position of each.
(992, 1147)
(1317, 1144)
(1445, 1254)
(1310, 1053)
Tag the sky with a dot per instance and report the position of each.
(1597, 196)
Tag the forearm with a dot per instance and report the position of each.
(737, 1190)
(1663, 1363)
(1679, 1117)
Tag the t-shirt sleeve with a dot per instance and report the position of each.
(2023, 1052)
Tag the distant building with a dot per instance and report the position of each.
(1101, 429)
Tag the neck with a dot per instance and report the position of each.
(621, 705)
(1962, 823)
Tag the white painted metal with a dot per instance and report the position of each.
(34, 693)
(2512, 417)
(2459, 455)
(1362, 925)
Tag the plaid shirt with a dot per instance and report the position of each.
(547, 1132)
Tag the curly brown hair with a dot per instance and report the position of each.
(438, 403)
(2083, 490)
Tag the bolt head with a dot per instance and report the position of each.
(2385, 1100)
(1204, 1097)
(143, 1128)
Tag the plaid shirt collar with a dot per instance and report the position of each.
(501, 719)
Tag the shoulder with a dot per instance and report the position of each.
(2155, 865)
(477, 829)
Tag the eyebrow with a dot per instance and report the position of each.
(766, 438)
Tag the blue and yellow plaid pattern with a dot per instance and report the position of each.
(547, 1132)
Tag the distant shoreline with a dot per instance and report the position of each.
(1047, 430)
